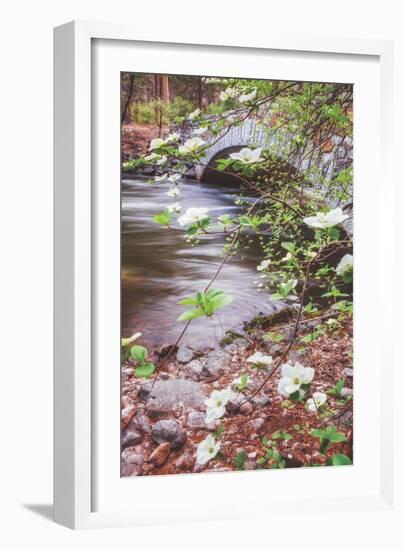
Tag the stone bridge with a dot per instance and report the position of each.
(336, 154)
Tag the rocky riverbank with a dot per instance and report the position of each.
(163, 422)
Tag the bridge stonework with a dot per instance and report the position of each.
(336, 155)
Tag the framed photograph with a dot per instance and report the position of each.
(220, 229)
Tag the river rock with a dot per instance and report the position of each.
(197, 420)
(185, 462)
(257, 424)
(348, 372)
(184, 354)
(169, 431)
(131, 436)
(160, 455)
(261, 400)
(167, 395)
(129, 470)
(246, 408)
(216, 363)
(298, 356)
(238, 345)
(143, 423)
(193, 370)
(126, 414)
(131, 456)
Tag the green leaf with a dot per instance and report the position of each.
(290, 247)
(164, 218)
(339, 460)
(243, 382)
(139, 353)
(126, 341)
(145, 370)
(281, 435)
(191, 314)
(273, 336)
(239, 460)
(221, 300)
(191, 301)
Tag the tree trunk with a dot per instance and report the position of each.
(165, 88)
(128, 99)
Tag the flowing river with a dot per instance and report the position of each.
(159, 267)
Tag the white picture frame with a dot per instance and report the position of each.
(78, 314)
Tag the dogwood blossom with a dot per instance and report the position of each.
(172, 137)
(216, 404)
(345, 264)
(152, 157)
(193, 215)
(200, 131)
(173, 178)
(160, 179)
(156, 143)
(194, 114)
(244, 98)
(161, 160)
(317, 397)
(248, 156)
(324, 220)
(174, 192)
(175, 207)
(229, 93)
(259, 359)
(287, 257)
(207, 449)
(293, 377)
(191, 145)
(263, 265)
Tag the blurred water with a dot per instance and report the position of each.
(159, 267)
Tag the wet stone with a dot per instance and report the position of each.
(184, 355)
(166, 395)
(193, 370)
(216, 363)
(160, 455)
(132, 456)
(169, 431)
(131, 436)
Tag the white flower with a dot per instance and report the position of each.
(263, 265)
(248, 156)
(156, 143)
(248, 97)
(193, 215)
(172, 137)
(194, 114)
(323, 220)
(345, 264)
(293, 377)
(191, 145)
(160, 179)
(174, 207)
(259, 359)
(152, 157)
(216, 404)
(162, 160)
(173, 178)
(229, 93)
(200, 131)
(319, 398)
(132, 338)
(174, 192)
(287, 257)
(207, 449)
